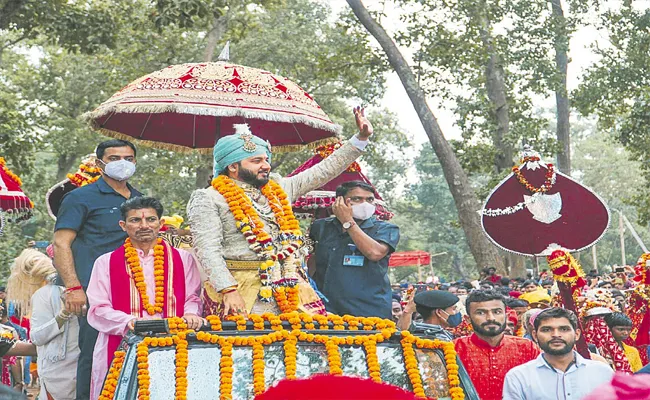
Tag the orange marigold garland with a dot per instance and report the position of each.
(215, 322)
(11, 175)
(176, 324)
(108, 391)
(86, 175)
(549, 180)
(374, 371)
(334, 356)
(274, 254)
(258, 368)
(143, 370)
(410, 360)
(290, 356)
(137, 274)
(181, 366)
(226, 370)
(240, 320)
(290, 340)
(411, 363)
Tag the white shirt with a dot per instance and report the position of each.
(538, 380)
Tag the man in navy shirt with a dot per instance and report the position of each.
(350, 262)
(87, 226)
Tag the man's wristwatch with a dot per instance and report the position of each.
(348, 225)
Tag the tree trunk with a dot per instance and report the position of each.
(516, 266)
(204, 170)
(561, 44)
(497, 93)
(63, 165)
(465, 199)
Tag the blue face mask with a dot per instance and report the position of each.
(454, 320)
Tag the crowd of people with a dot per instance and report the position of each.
(517, 342)
(116, 260)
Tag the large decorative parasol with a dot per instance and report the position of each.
(86, 174)
(536, 209)
(15, 206)
(190, 106)
(318, 203)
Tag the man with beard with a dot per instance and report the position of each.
(246, 237)
(560, 372)
(145, 278)
(488, 354)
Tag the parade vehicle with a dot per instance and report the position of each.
(243, 358)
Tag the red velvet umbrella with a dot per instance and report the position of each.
(15, 206)
(536, 209)
(317, 203)
(190, 106)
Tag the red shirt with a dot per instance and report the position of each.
(487, 366)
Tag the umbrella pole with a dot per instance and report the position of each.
(218, 130)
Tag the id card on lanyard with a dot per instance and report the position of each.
(353, 260)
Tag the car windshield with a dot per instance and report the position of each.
(203, 369)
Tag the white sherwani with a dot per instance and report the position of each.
(216, 237)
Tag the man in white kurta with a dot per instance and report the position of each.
(139, 223)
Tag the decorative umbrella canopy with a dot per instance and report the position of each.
(86, 174)
(317, 203)
(536, 210)
(15, 206)
(190, 106)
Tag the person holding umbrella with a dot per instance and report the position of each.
(246, 236)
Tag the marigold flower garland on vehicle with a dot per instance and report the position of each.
(143, 370)
(133, 263)
(182, 361)
(108, 391)
(413, 372)
(259, 386)
(290, 340)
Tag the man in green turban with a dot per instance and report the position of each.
(246, 237)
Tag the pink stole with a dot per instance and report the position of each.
(126, 298)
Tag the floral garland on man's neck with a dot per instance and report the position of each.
(276, 255)
(137, 274)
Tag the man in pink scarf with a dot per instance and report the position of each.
(125, 285)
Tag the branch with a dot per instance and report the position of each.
(13, 42)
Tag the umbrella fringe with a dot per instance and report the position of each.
(271, 115)
(182, 149)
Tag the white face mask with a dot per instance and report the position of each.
(363, 211)
(119, 170)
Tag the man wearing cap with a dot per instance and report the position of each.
(438, 308)
(246, 237)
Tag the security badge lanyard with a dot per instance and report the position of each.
(353, 260)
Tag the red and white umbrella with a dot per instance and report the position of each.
(15, 206)
(318, 203)
(190, 106)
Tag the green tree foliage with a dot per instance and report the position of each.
(85, 25)
(437, 229)
(616, 89)
(44, 90)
